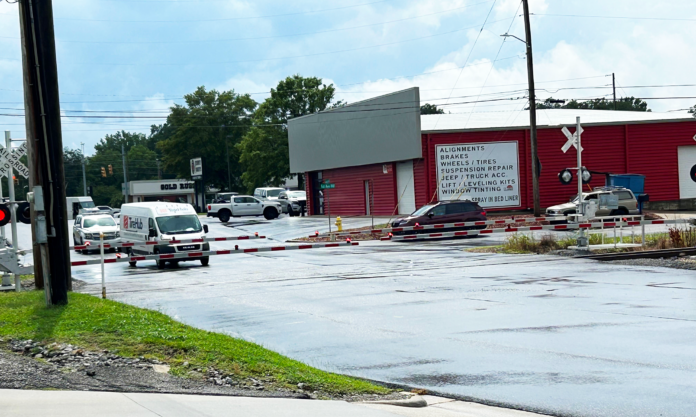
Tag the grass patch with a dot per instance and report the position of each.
(93, 323)
(519, 243)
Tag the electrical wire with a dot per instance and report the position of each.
(120, 42)
(669, 19)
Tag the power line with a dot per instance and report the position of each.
(119, 42)
(223, 19)
(275, 58)
(671, 19)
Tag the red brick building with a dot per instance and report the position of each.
(486, 157)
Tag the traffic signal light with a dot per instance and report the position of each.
(103, 172)
(111, 170)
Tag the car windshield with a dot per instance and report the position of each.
(585, 197)
(273, 193)
(102, 221)
(297, 194)
(421, 211)
(87, 204)
(104, 208)
(179, 224)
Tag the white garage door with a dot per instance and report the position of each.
(687, 171)
(404, 185)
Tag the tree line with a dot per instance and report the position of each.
(224, 128)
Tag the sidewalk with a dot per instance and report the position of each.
(15, 403)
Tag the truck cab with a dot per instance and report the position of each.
(77, 205)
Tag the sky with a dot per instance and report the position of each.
(139, 57)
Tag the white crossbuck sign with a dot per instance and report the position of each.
(11, 160)
(572, 139)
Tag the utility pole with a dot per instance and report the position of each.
(45, 144)
(84, 176)
(125, 177)
(613, 86)
(532, 110)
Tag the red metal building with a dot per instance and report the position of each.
(489, 154)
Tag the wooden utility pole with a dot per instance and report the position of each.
(45, 143)
(532, 110)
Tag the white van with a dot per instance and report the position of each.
(141, 222)
(76, 205)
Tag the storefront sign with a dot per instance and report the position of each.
(165, 187)
(486, 172)
(196, 168)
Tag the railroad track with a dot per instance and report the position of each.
(662, 253)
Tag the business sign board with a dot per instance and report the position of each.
(486, 172)
(196, 168)
(163, 187)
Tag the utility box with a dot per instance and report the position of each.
(634, 182)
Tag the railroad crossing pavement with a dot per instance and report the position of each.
(16, 403)
(538, 333)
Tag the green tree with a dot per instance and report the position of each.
(622, 104)
(428, 108)
(208, 125)
(72, 166)
(114, 142)
(264, 149)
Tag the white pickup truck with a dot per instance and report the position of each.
(244, 205)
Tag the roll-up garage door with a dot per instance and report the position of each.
(405, 188)
(687, 171)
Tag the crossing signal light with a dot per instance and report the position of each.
(22, 213)
(16, 181)
(103, 172)
(111, 170)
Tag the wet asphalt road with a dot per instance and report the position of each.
(556, 335)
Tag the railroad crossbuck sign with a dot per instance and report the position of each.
(572, 139)
(11, 160)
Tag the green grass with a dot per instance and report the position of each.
(93, 323)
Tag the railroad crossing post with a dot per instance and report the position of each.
(13, 209)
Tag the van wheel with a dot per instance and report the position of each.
(132, 263)
(205, 261)
(160, 264)
(269, 213)
(224, 216)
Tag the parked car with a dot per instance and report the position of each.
(87, 228)
(627, 203)
(442, 212)
(158, 221)
(244, 205)
(293, 202)
(268, 193)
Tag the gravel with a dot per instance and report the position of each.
(27, 364)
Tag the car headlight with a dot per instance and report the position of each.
(118, 234)
(88, 236)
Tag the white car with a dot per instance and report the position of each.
(87, 228)
(245, 205)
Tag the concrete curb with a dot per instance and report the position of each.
(414, 402)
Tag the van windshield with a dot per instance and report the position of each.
(179, 224)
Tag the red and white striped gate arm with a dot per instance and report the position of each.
(166, 242)
(571, 226)
(443, 226)
(200, 254)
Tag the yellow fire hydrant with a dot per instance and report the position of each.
(339, 224)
